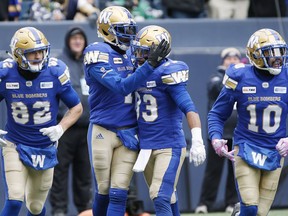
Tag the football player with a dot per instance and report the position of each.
(161, 102)
(32, 84)
(109, 75)
(260, 91)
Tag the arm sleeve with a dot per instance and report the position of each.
(70, 97)
(112, 80)
(182, 98)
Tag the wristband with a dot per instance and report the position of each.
(196, 133)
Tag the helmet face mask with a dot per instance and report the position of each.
(267, 50)
(35, 64)
(26, 44)
(140, 52)
(149, 38)
(117, 26)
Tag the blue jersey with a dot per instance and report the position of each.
(159, 117)
(32, 104)
(108, 108)
(261, 105)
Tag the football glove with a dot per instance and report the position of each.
(54, 132)
(282, 147)
(197, 152)
(3, 143)
(221, 149)
(157, 54)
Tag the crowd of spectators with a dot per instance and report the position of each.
(82, 10)
(45, 10)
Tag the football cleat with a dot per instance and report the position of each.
(236, 210)
(202, 209)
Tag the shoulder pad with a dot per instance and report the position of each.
(174, 72)
(96, 52)
(59, 69)
(53, 62)
(6, 65)
(229, 82)
(93, 57)
(64, 77)
(233, 75)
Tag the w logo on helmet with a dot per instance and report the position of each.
(253, 40)
(162, 36)
(105, 17)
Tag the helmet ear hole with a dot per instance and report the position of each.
(105, 33)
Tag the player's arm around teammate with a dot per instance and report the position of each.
(110, 75)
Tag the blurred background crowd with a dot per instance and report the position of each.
(79, 10)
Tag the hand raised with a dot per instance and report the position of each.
(158, 53)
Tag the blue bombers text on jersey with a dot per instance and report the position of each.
(103, 101)
(261, 106)
(33, 104)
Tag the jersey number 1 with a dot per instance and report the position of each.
(270, 111)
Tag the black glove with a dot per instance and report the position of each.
(157, 54)
(92, 19)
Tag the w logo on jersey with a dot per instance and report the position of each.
(105, 16)
(38, 160)
(180, 76)
(176, 77)
(258, 158)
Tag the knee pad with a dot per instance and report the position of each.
(11, 207)
(35, 208)
(248, 210)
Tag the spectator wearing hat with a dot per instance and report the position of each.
(215, 164)
(73, 148)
